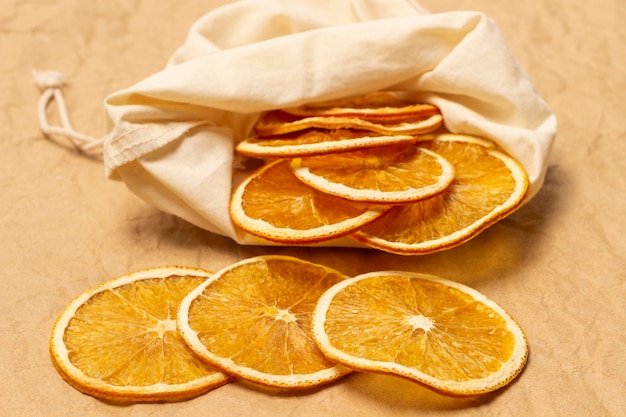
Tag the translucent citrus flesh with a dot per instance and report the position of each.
(388, 174)
(277, 206)
(488, 185)
(122, 343)
(423, 329)
(253, 320)
(316, 142)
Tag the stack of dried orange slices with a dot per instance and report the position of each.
(172, 333)
(371, 168)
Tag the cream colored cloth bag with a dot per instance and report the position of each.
(172, 134)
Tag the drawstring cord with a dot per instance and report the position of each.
(50, 83)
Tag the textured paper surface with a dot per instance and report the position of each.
(557, 265)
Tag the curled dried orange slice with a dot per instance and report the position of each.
(279, 123)
(316, 142)
(389, 174)
(379, 105)
(488, 185)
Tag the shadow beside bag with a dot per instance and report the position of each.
(172, 135)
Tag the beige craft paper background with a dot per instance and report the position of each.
(557, 265)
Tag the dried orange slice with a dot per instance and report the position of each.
(317, 142)
(273, 204)
(437, 332)
(488, 185)
(119, 341)
(389, 174)
(379, 105)
(252, 319)
(279, 123)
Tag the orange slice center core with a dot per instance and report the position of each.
(280, 314)
(420, 322)
(167, 325)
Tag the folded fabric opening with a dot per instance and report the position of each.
(173, 134)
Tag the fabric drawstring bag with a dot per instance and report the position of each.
(172, 135)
